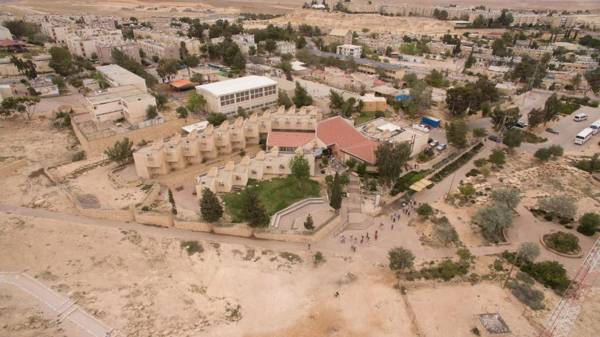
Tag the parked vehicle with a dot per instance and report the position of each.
(433, 142)
(430, 121)
(580, 117)
(552, 131)
(583, 136)
(494, 138)
(441, 147)
(595, 126)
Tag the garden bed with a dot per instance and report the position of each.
(456, 164)
(274, 195)
(562, 244)
(407, 180)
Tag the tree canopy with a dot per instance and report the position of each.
(390, 159)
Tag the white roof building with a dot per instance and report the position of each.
(249, 92)
(117, 76)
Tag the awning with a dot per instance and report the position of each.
(420, 185)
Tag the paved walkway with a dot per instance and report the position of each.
(63, 307)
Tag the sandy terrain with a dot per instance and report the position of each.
(39, 145)
(147, 285)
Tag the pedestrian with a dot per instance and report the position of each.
(309, 246)
(337, 294)
(376, 235)
(367, 235)
(392, 226)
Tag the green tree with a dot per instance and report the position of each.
(589, 223)
(196, 102)
(151, 112)
(400, 259)
(61, 61)
(436, 79)
(507, 196)
(301, 42)
(536, 117)
(457, 100)
(512, 138)
(182, 112)
(216, 118)
(336, 100)
(286, 67)
(593, 79)
(27, 68)
(501, 118)
(161, 101)
(300, 167)
(210, 207)
(390, 159)
(497, 157)
(284, 99)
(425, 210)
(19, 104)
(309, 223)
(470, 61)
(493, 220)
(166, 68)
(335, 197)
(552, 109)
(121, 152)
(528, 251)
(499, 48)
(253, 211)
(301, 96)
(456, 133)
(561, 206)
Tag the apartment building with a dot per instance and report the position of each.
(5, 33)
(286, 47)
(58, 33)
(388, 70)
(154, 48)
(85, 42)
(264, 165)
(129, 49)
(8, 69)
(244, 41)
(342, 36)
(211, 142)
(249, 92)
(349, 50)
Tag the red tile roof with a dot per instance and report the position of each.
(337, 131)
(289, 139)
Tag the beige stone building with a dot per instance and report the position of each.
(178, 152)
(85, 42)
(372, 103)
(263, 166)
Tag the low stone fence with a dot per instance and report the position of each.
(274, 223)
(195, 226)
(153, 218)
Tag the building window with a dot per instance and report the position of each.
(227, 99)
(270, 90)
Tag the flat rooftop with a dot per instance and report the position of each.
(236, 85)
(114, 94)
(119, 74)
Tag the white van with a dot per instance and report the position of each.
(583, 136)
(595, 126)
(580, 117)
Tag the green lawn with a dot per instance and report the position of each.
(364, 117)
(275, 195)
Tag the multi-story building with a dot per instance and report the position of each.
(286, 47)
(8, 69)
(244, 41)
(381, 130)
(58, 33)
(85, 42)
(249, 92)
(126, 101)
(118, 76)
(341, 36)
(161, 50)
(129, 49)
(264, 165)
(349, 50)
(5, 33)
(178, 152)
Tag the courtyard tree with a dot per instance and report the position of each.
(335, 195)
(501, 118)
(456, 133)
(215, 118)
(166, 68)
(300, 167)
(390, 158)
(61, 61)
(535, 117)
(253, 211)
(400, 259)
(210, 207)
(121, 152)
(336, 101)
(27, 68)
(425, 210)
(301, 96)
(196, 102)
(493, 220)
(507, 196)
(593, 79)
(284, 99)
(161, 101)
(552, 109)
(309, 223)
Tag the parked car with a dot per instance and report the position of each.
(552, 131)
(433, 142)
(580, 117)
(494, 138)
(441, 147)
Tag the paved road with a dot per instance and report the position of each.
(63, 307)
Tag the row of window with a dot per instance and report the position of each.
(247, 95)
